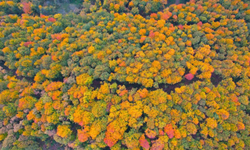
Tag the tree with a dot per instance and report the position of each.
(64, 131)
(27, 7)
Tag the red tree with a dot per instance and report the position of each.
(27, 8)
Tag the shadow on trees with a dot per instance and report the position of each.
(215, 79)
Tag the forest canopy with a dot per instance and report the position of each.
(125, 74)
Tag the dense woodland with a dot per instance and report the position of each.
(125, 74)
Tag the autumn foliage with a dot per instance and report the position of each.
(126, 75)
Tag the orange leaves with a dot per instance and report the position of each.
(166, 72)
(215, 24)
(181, 15)
(142, 32)
(130, 79)
(195, 120)
(91, 49)
(153, 15)
(10, 3)
(188, 18)
(160, 23)
(162, 37)
(143, 93)
(26, 102)
(57, 105)
(179, 6)
(147, 74)
(31, 116)
(39, 105)
(97, 127)
(79, 54)
(241, 126)
(123, 92)
(122, 64)
(177, 134)
(208, 30)
(188, 43)
(156, 64)
(64, 131)
(199, 55)
(115, 131)
(131, 4)
(116, 7)
(59, 37)
(157, 97)
(209, 36)
(245, 5)
(169, 130)
(55, 95)
(26, 91)
(104, 89)
(143, 142)
(207, 89)
(67, 110)
(142, 39)
(180, 90)
(6, 50)
(212, 123)
(229, 41)
(136, 110)
(27, 8)
(170, 53)
(140, 54)
(204, 131)
(176, 115)
(223, 113)
(83, 134)
(181, 71)
(52, 118)
(235, 99)
(147, 82)
(157, 145)
(150, 133)
(151, 34)
(204, 50)
(83, 117)
(77, 92)
(125, 105)
(133, 29)
(166, 16)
